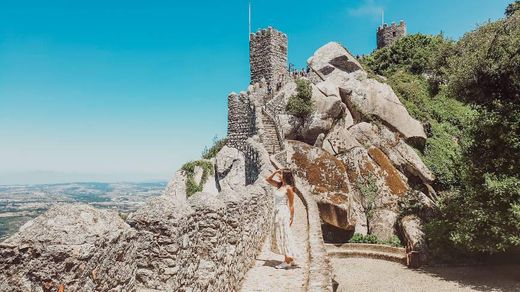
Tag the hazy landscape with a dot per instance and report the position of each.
(21, 203)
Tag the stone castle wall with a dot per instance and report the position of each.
(241, 120)
(206, 244)
(268, 56)
(387, 35)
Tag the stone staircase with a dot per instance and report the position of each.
(270, 136)
(364, 250)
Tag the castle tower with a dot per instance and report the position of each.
(268, 55)
(387, 35)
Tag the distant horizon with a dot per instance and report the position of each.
(52, 178)
(126, 91)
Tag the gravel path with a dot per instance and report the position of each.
(357, 274)
(265, 277)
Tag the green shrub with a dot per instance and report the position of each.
(360, 238)
(485, 71)
(367, 186)
(212, 151)
(301, 105)
(393, 241)
(372, 239)
(416, 53)
(448, 119)
(189, 170)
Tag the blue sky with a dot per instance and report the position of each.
(129, 90)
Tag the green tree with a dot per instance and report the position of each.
(485, 71)
(417, 53)
(301, 104)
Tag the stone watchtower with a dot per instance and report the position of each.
(387, 35)
(268, 56)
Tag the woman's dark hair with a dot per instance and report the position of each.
(288, 177)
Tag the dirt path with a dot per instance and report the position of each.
(265, 277)
(356, 274)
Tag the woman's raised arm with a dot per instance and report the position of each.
(273, 182)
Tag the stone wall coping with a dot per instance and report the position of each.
(320, 270)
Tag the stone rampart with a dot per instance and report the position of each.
(241, 120)
(388, 34)
(268, 56)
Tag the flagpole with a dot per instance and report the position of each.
(249, 18)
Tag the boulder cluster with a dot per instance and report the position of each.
(356, 150)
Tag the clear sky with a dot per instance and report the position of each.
(129, 90)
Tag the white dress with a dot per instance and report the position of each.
(282, 241)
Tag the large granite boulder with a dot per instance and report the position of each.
(339, 140)
(327, 176)
(327, 109)
(74, 247)
(176, 187)
(378, 99)
(411, 228)
(379, 185)
(313, 126)
(290, 125)
(230, 169)
(367, 97)
(332, 57)
(398, 151)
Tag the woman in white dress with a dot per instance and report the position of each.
(282, 241)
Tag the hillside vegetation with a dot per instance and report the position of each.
(467, 92)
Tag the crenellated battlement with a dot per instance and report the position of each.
(267, 32)
(268, 56)
(388, 34)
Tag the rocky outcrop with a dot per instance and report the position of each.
(76, 247)
(327, 109)
(339, 140)
(290, 125)
(379, 185)
(230, 169)
(365, 96)
(330, 186)
(331, 57)
(411, 227)
(401, 154)
(176, 187)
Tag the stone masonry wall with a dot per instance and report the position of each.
(206, 244)
(241, 120)
(268, 56)
(209, 249)
(387, 35)
(210, 244)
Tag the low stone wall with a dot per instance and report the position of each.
(320, 270)
(209, 244)
(209, 247)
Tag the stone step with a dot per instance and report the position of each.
(387, 253)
